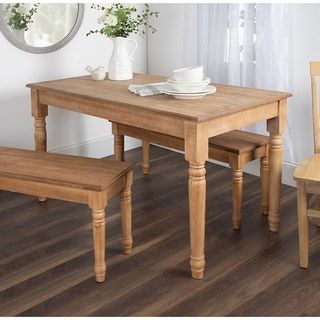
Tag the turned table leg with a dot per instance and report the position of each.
(118, 143)
(197, 201)
(126, 214)
(275, 126)
(196, 153)
(39, 113)
(98, 225)
(145, 156)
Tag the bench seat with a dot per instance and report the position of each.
(72, 178)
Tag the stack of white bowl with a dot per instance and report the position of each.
(188, 82)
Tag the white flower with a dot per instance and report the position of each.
(101, 19)
(9, 15)
(22, 9)
(129, 6)
(111, 20)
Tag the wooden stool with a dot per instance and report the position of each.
(76, 179)
(235, 148)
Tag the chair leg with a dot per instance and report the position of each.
(146, 156)
(237, 184)
(303, 224)
(98, 224)
(264, 178)
(126, 216)
(314, 203)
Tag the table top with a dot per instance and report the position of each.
(227, 100)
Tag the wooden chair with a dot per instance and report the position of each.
(235, 148)
(307, 175)
(76, 179)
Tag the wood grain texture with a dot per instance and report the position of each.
(315, 73)
(62, 170)
(227, 100)
(236, 148)
(307, 175)
(309, 169)
(239, 141)
(195, 121)
(47, 270)
(72, 178)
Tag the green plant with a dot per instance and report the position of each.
(121, 20)
(18, 17)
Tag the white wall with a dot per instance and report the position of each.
(304, 47)
(71, 132)
(166, 52)
(165, 47)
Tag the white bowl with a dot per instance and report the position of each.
(203, 80)
(189, 86)
(194, 73)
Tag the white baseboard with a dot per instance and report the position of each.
(253, 167)
(97, 148)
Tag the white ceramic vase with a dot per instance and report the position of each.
(120, 64)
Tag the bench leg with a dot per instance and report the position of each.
(303, 224)
(146, 157)
(264, 178)
(237, 184)
(126, 216)
(98, 224)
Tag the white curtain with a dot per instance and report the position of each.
(241, 44)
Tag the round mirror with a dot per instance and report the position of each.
(40, 27)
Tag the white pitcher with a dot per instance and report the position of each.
(120, 64)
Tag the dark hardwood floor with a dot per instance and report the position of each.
(46, 253)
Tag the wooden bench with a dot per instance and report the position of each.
(235, 148)
(76, 179)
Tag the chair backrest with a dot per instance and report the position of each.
(315, 73)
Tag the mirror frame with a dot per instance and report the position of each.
(6, 31)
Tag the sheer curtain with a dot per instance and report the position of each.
(241, 44)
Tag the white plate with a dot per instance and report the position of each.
(196, 95)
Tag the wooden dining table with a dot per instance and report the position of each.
(230, 108)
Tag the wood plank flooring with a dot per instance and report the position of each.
(46, 253)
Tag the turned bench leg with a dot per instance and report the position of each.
(264, 179)
(237, 186)
(126, 213)
(145, 157)
(98, 202)
(98, 224)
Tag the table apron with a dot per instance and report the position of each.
(242, 119)
(115, 112)
(161, 123)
